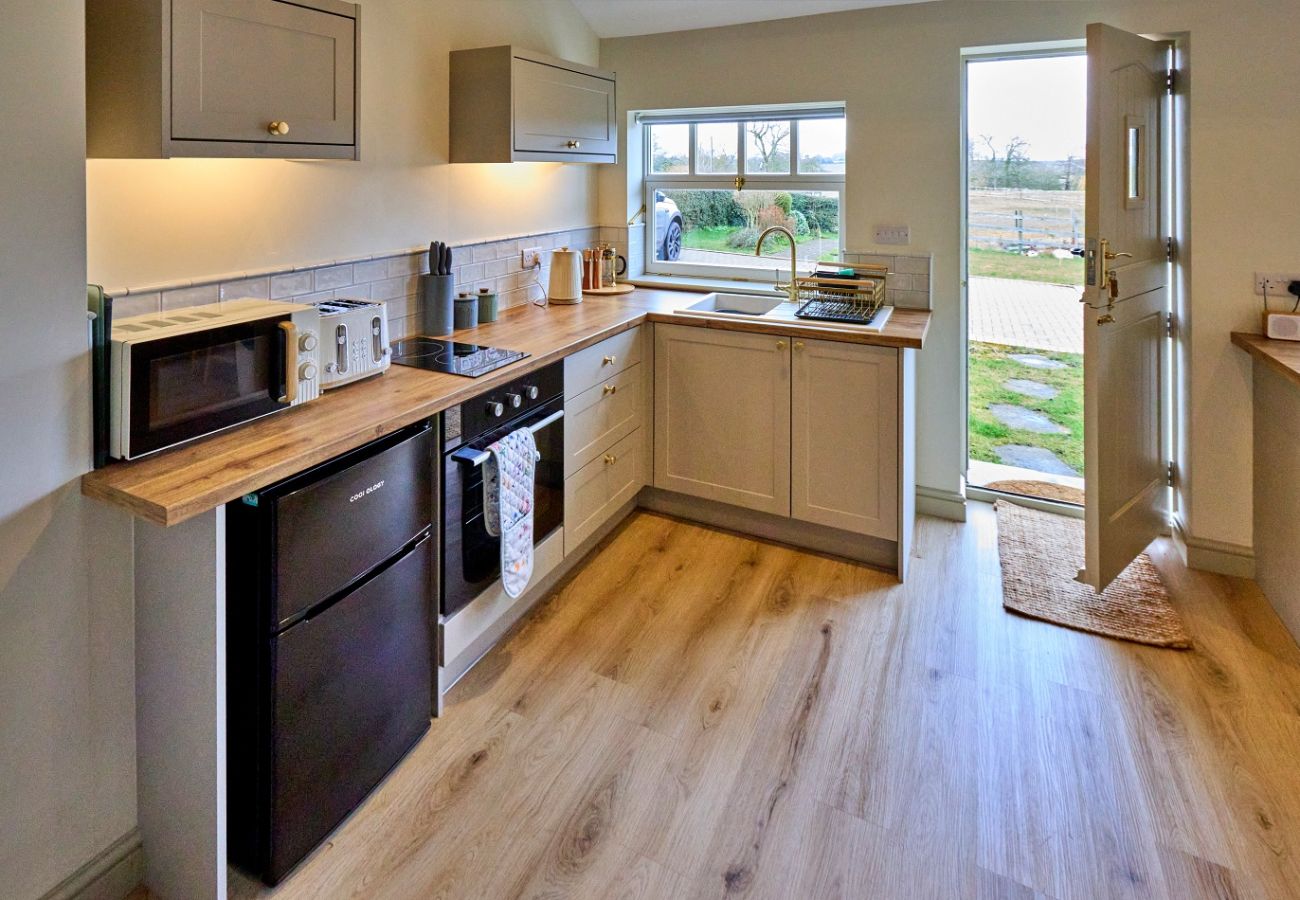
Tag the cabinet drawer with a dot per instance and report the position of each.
(598, 489)
(600, 362)
(601, 415)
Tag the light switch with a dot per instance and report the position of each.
(893, 234)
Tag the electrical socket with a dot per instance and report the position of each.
(530, 258)
(893, 234)
(1276, 284)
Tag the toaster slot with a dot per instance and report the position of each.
(341, 349)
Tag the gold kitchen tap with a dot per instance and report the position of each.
(793, 287)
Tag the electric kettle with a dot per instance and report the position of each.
(566, 276)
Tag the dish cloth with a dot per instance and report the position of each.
(508, 505)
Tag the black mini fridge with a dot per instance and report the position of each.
(329, 658)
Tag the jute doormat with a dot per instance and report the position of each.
(1041, 553)
(1046, 490)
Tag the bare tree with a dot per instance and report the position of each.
(987, 140)
(1014, 158)
(768, 137)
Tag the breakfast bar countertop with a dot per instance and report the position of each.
(175, 485)
(1281, 356)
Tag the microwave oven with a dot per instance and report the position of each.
(189, 373)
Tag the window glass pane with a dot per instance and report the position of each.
(669, 146)
(767, 148)
(721, 227)
(1134, 163)
(821, 146)
(715, 148)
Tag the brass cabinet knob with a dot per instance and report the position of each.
(780, 345)
(1105, 319)
(608, 361)
(574, 145)
(610, 388)
(610, 459)
(798, 345)
(280, 128)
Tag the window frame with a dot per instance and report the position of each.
(764, 181)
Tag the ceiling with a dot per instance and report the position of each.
(621, 18)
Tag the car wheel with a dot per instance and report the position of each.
(672, 246)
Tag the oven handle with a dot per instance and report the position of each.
(474, 457)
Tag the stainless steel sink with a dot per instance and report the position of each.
(734, 305)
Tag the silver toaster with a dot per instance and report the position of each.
(353, 340)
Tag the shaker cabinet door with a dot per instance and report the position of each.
(844, 437)
(240, 66)
(560, 111)
(722, 416)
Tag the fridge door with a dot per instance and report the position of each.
(336, 523)
(353, 692)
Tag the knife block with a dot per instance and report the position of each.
(437, 309)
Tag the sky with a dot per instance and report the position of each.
(1040, 100)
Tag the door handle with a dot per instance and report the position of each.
(290, 372)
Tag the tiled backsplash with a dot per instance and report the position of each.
(908, 282)
(392, 277)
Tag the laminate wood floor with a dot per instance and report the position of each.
(696, 714)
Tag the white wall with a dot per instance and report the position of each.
(67, 729)
(898, 69)
(154, 221)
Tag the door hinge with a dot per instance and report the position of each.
(1170, 249)
(1170, 327)
(1171, 474)
(1171, 81)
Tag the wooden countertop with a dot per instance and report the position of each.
(1281, 356)
(175, 485)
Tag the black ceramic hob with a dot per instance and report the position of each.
(453, 357)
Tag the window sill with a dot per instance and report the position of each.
(704, 285)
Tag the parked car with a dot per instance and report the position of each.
(668, 227)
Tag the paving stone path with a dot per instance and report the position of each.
(1025, 419)
(1037, 458)
(1035, 389)
(1034, 361)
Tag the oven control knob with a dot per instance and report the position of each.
(307, 342)
(307, 372)
(514, 400)
(531, 391)
(496, 408)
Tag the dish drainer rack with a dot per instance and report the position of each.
(834, 297)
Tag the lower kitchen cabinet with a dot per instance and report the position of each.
(597, 490)
(844, 453)
(722, 416)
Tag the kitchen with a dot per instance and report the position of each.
(125, 686)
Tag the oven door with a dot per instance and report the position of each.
(471, 556)
(189, 385)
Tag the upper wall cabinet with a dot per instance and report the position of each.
(512, 105)
(222, 78)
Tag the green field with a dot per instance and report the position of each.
(1000, 264)
(990, 366)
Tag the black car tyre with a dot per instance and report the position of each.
(672, 246)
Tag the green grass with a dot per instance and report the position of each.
(1000, 264)
(715, 237)
(990, 366)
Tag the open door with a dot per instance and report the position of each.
(1127, 292)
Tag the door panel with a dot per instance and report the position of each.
(844, 420)
(238, 66)
(554, 106)
(722, 416)
(1125, 333)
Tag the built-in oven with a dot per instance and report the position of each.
(181, 375)
(471, 558)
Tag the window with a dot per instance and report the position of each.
(714, 179)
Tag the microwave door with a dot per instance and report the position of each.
(190, 385)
